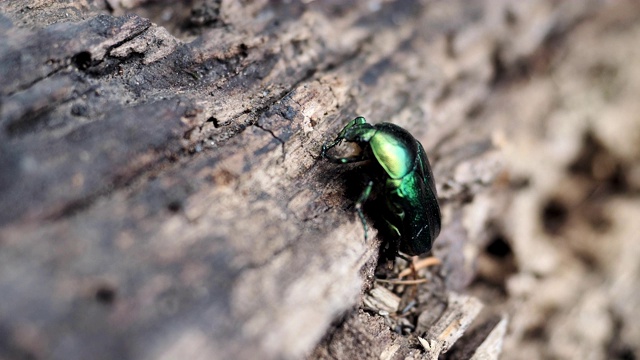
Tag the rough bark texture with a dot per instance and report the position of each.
(161, 194)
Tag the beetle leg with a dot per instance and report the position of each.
(393, 229)
(361, 200)
(326, 147)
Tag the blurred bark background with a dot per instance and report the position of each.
(161, 194)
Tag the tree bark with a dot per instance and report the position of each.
(161, 191)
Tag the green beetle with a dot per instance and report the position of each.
(412, 210)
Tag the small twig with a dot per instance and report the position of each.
(420, 264)
(402, 282)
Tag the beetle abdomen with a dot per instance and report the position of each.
(421, 219)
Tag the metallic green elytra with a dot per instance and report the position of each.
(412, 210)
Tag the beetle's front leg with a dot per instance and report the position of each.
(361, 200)
(326, 147)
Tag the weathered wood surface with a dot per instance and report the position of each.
(161, 194)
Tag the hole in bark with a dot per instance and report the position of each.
(617, 347)
(593, 162)
(108, 7)
(596, 163)
(536, 332)
(466, 197)
(625, 353)
(244, 50)
(554, 216)
(497, 262)
(216, 122)
(82, 60)
(105, 295)
(499, 247)
(174, 206)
